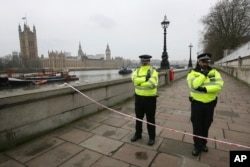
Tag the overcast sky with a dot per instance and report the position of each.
(130, 27)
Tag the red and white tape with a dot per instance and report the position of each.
(169, 129)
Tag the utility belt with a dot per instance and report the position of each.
(145, 97)
(191, 99)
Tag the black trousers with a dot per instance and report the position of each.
(201, 117)
(145, 106)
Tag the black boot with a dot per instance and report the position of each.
(151, 142)
(196, 152)
(205, 148)
(135, 137)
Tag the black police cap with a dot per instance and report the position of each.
(204, 56)
(145, 57)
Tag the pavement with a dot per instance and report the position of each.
(103, 139)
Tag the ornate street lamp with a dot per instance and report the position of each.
(164, 62)
(190, 59)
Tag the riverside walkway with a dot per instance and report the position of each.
(103, 139)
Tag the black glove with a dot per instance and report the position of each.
(205, 71)
(202, 89)
(148, 75)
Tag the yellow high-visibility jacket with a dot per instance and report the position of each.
(143, 87)
(212, 82)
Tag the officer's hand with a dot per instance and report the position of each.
(204, 71)
(148, 76)
(202, 89)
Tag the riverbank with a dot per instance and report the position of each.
(85, 77)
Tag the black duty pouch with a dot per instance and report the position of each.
(190, 98)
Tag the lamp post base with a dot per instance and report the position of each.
(164, 62)
(164, 65)
(190, 64)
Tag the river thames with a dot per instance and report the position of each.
(85, 77)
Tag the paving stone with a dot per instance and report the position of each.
(186, 113)
(11, 163)
(215, 158)
(176, 148)
(178, 118)
(101, 144)
(87, 125)
(188, 139)
(192, 163)
(241, 110)
(215, 132)
(171, 135)
(175, 125)
(110, 132)
(34, 148)
(135, 155)
(239, 128)
(112, 114)
(227, 113)
(8, 162)
(237, 136)
(98, 117)
(228, 147)
(103, 139)
(109, 162)
(75, 136)
(244, 120)
(222, 119)
(117, 122)
(166, 160)
(219, 124)
(55, 156)
(143, 142)
(3, 158)
(83, 159)
(159, 121)
(131, 126)
(61, 131)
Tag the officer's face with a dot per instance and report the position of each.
(145, 62)
(203, 63)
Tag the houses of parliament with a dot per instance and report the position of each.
(60, 60)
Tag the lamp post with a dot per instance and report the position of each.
(190, 59)
(164, 62)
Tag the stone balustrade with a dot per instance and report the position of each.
(237, 63)
(30, 114)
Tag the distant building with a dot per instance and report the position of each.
(28, 46)
(96, 57)
(81, 55)
(61, 60)
(108, 53)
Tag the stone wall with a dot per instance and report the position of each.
(27, 115)
(240, 73)
(237, 67)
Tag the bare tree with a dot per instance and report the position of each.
(226, 26)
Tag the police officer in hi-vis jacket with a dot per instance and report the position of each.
(204, 83)
(145, 80)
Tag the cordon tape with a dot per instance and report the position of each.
(169, 129)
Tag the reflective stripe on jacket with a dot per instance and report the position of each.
(143, 87)
(212, 82)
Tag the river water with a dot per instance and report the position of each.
(85, 77)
